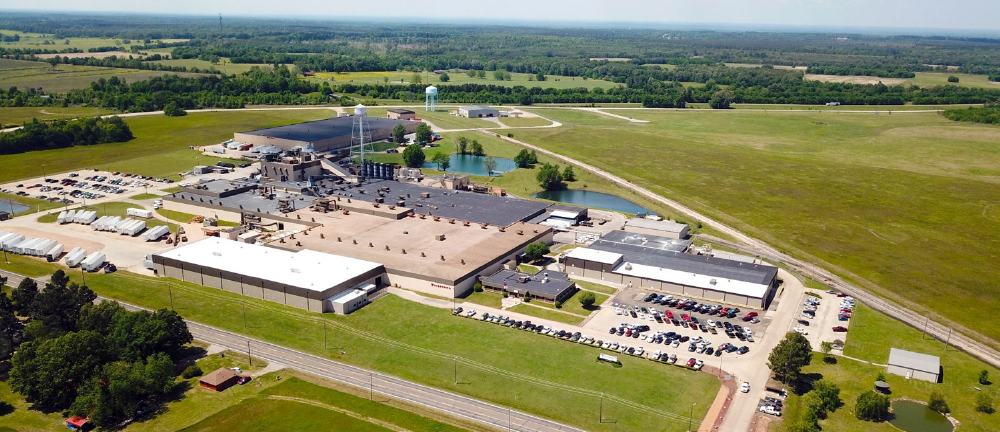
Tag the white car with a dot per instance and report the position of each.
(471, 313)
(614, 345)
(618, 311)
(606, 345)
(698, 365)
(800, 330)
(711, 323)
(639, 351)
(676, 343)
(745, 387)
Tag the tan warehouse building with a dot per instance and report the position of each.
(305, 279)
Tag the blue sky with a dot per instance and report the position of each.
(955, 14)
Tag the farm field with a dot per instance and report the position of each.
(16, 116)
(455, 78)
(927, 79)
(159, 149)
(904, 204)
(37, 41)
(870, 337)
(227, 67)
(63, 78)
(422, 343)
(884, 109)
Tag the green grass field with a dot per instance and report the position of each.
(547, 313)
(37, 40)
(524, 121)
(34, 205)
(422, 343)
(176, 215)
(904, 204)
(440, 118)
(456, 78)
(591, 286)
(159, 149)
(927, 79)
(63, 78)
(266, 415)
(870, 337)
(883, 109)
(144, 196)
(17, 116)
(119, 209)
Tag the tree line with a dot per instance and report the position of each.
(55, 134)
(989, 114)
(94, 360)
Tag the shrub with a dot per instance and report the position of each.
(477, 287)
(505, 295)
(984, 377)
(587, 299)
(952, 79)
(191, 372)
(536, 251)
(937, 403)
(172, 110)
(984, 403)
(558, 305)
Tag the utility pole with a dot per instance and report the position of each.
(600, 416)
(170, 292)
(371, 386)
(82, 272)
(947, 340)
(325, 347)
(5, 256)
(926, 318)
(691, 416)
(456, 368)
(508, 420)
(248, 352)
(244, 304)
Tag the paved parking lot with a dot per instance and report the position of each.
(820, 328)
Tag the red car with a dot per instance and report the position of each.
(691, 362)
(840, 329)
(669, 314)
(243, 380)
(694, 326)
(752, 314)
(841, 295)
(686, 317)
(747, 318)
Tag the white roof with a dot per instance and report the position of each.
(748, 289)
(595, 255)
(316, 271)
(734, 257)
(914, 360)
(347, 296)
(564, 214)
(666, 226)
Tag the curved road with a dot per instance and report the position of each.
(937, 330)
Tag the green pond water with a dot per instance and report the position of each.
(916, 417)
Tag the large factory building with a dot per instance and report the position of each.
(322, 135)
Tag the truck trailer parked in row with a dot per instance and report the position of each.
(93, 262)
(75, 256)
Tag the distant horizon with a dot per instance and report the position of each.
(918, 18)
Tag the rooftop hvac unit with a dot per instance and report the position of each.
(523, 279)
(425, 194)
(713, 282)
(439, 237)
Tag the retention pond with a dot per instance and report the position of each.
(598, 200)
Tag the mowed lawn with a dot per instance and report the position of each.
(17, 116)
(871, 336)
(160, 147)
(65, 77)
(907, 204)
(456, 78)
(423, 344)
(264, 415)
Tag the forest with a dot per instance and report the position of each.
(56, 134)
(657, 66)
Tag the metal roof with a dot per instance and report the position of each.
(914, 360)
(320, 130)
(696, 264)
(400, 111)
(749, 289)
(652, 242)
(666, 226)
(478, 107)
(548, 282)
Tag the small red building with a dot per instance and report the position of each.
(219, 380)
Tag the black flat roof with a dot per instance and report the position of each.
(555, 284)
(451, 204)
(698, 264)
(648, 241)
(319, 130)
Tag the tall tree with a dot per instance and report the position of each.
(423, 133)
(399, 134)
(413, 156)
(523, 159)
(489, 165)
(442, 161)
(549, 177)
(477, 148)
(24, 296)
(568, 173)
(9, 325)
(58, 306)
(789, 357)
(48, 372)
(871, 406)
(462, 146)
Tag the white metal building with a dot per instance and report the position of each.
(305, 279)
(478, 111)
(658, 228)
(914, 365)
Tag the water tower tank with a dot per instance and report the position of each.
(360, 110)
(431, 90)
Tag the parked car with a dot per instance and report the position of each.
(243, 380)
(745, 387)
(691, 361)
(840, 329)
